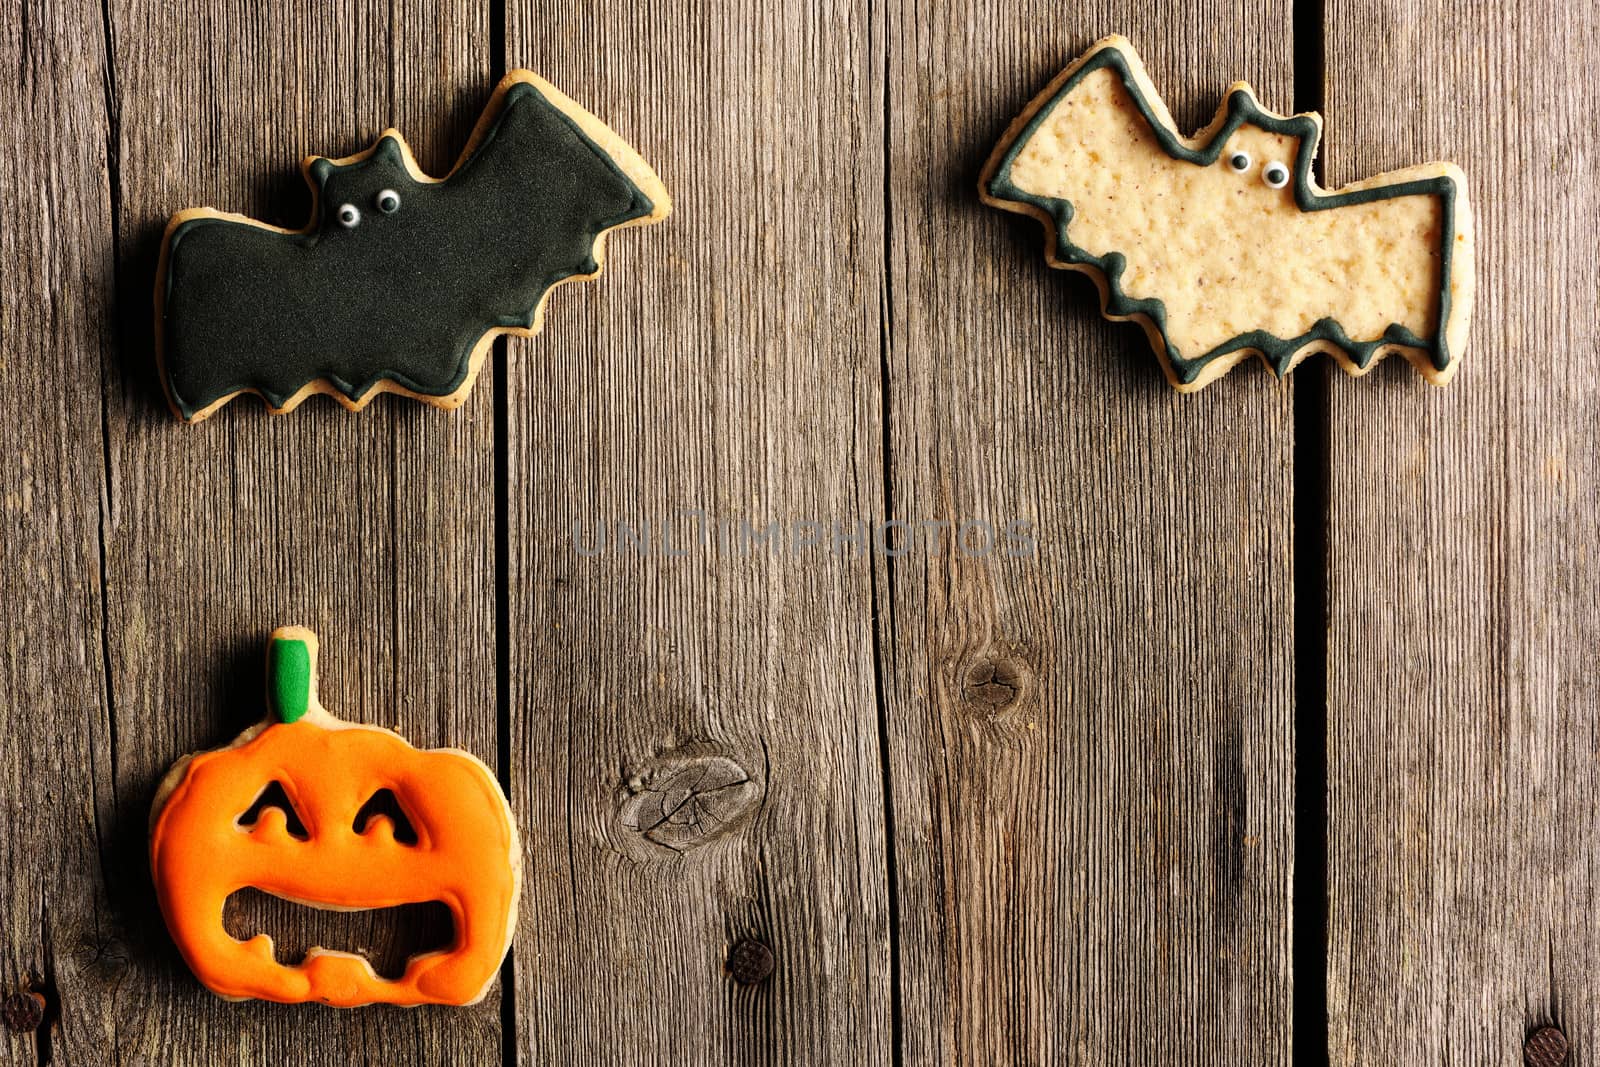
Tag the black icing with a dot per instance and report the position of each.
(402, 296)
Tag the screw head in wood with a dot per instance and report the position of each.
(23, 1011)
(750, 961)
(1545, 1047)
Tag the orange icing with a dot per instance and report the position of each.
(463, 858)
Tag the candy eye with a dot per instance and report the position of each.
(1275, 175)
(349, 216)
(388, 201)
(1239, 161)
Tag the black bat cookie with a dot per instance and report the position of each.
(400, 281)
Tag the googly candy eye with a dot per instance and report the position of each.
(349, 216)
(1239, 161)
(388, 201)
(1276, 175)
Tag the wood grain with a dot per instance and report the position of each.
(376, 529)
(55, 761)
(726, 362)
(1463, 701)
(1090, 747)
(983, 808)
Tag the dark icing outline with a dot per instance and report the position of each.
(1242, 109)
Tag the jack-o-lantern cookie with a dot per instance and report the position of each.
(1222, 245)
(465, 854)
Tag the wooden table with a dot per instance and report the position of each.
(1122, 800)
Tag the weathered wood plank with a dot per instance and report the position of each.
(375, 529)
(1091, 747)
(55, 285)
(1462, 698)
(728, 362)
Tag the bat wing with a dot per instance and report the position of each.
(237, 312)
(1399, 249)
(530, 208)
(251, 309)
(1060, 165)
(1072, 161)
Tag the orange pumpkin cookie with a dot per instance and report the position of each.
(465, 856)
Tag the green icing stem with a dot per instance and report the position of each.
(288, 679)
(1241, 110)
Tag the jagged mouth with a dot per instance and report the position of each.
(387, 938)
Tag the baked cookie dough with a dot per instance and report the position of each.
(400, 282)
(1222, 245)
(221, 822)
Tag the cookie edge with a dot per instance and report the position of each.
(626, 158)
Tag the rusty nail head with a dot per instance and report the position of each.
(23, 1011)
(1545, 1047)
(750, 961)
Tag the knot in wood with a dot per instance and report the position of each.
(1545, 1047)
(23, 1011)
(681, 802)
(997, 682)
(750, 961)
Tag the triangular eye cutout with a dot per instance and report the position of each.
(274, 796)
(385, 803)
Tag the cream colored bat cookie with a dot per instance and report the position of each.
(1222, 245)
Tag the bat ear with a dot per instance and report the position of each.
(388, 150)
(318, 168)
(1242, 101)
